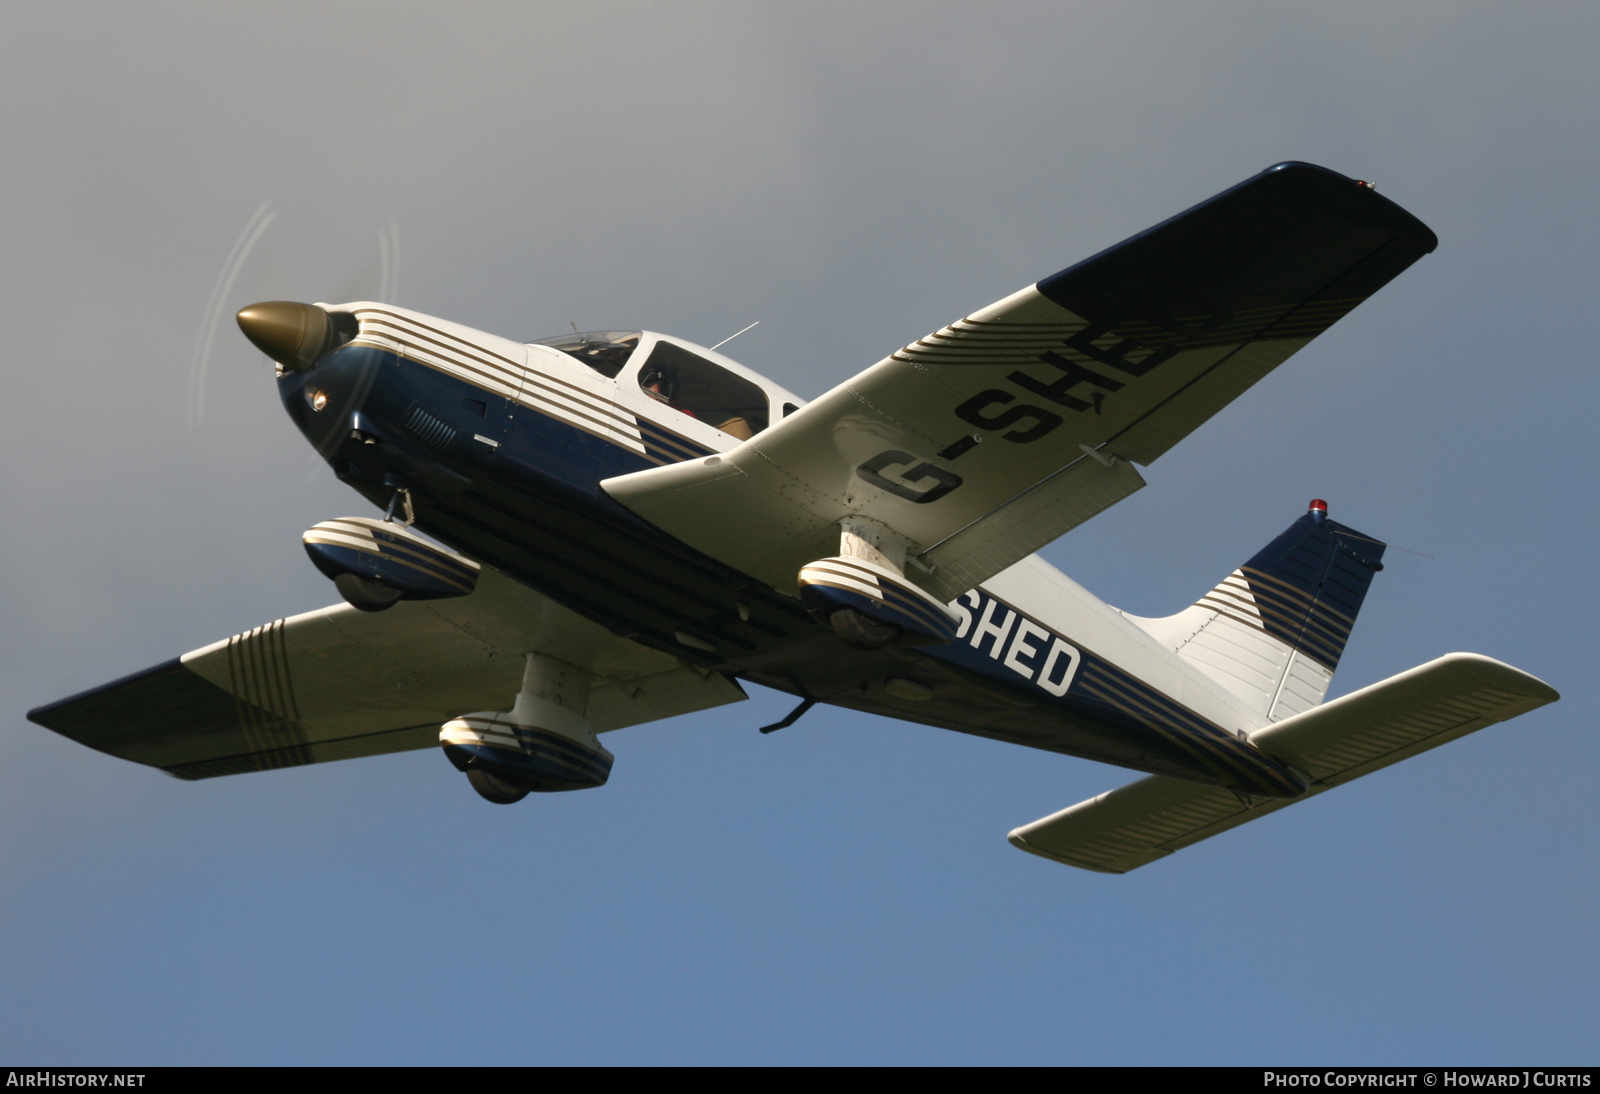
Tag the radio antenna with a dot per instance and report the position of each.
(736, 334)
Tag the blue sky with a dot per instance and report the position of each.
(854, 177)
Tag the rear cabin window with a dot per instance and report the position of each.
(709, 392)
(605, 351)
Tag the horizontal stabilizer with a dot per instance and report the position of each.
(1379, 725)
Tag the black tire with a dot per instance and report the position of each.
(860, 632)
(364, 594)
(493, 789)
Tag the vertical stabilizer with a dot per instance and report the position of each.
(1273, 631)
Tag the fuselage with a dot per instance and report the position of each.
(501, 448)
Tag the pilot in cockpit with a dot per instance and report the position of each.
(660, 382)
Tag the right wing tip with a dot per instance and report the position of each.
(1529, 684)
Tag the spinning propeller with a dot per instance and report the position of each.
(291, 334)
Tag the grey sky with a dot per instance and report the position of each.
(853, 176)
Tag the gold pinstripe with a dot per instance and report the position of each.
(461, 575)
(891, 593)
(537, 390)
(1215, 746)
(974, 338)
(264, 700)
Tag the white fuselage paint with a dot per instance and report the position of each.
(1043, 593)
(551, 382)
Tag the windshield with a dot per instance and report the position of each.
(605, 351)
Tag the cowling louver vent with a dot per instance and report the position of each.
(432, 431)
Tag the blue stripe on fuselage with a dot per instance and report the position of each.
(544, 456)
(531, 505)
(999, 642)
(533, 450)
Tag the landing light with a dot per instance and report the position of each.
(317, 399)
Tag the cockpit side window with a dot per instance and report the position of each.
(702, 390)
(605, 351)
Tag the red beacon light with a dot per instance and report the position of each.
(1318, 511)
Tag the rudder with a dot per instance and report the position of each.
(1273, 631)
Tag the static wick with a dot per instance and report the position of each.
(736, 334)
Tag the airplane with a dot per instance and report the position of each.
(602, 529)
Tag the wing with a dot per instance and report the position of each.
(1352, 736)
(337, 683)
(985, 440)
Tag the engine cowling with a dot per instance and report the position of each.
(871, 606)
(375, 564)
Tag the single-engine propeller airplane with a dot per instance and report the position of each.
(623, 525)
